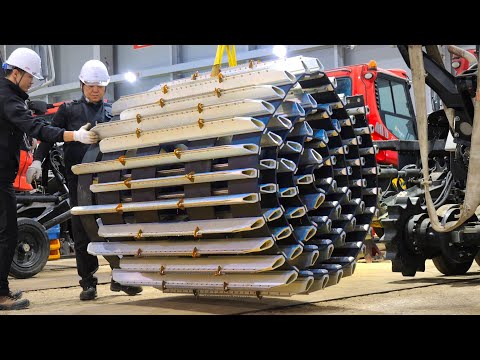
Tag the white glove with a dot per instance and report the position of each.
(85, 136)
(34, 171)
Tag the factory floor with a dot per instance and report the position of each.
(372, 290)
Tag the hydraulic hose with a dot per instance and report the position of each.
(472, 195)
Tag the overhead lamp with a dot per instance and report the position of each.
(280, 51)
(130, 77)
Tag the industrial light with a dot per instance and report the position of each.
(280, 51)
(130, 77)
(368, 75)
(372, 65)
(456, 64)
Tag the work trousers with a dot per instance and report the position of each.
(87, 264)
(8, 232)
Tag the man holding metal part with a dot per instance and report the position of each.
(90, 109)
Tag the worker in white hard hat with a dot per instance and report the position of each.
(90, 108)
(16, 119)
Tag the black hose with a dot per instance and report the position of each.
(58, 219)
(23, 199)
(445, 191)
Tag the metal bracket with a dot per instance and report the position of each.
(196, 232)
(161, 102)
(195, 252)
(191, 176)
(119, 209)
(178, 153)
(180, 204)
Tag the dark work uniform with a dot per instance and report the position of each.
(15, 120)
(71, 116)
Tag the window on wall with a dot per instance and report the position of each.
(344, 86)
(395, 107)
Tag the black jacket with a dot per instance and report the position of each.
(71, 116)
(15, 120)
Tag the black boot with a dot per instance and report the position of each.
(88, 293)
(129, 290)
(7, 302)
(89, 287)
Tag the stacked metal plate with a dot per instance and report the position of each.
(260, 181)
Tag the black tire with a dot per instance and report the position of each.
(33, 249)
(449, 267)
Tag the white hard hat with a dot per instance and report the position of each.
(94, 72)
(27, 60)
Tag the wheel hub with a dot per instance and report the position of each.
(25, 247)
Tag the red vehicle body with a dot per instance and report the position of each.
(461, 64)
(26, 153)
(386, 93)
(21, 184)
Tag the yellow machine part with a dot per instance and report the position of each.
(399, 183)
(232, 58)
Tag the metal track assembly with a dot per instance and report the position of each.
(259, 182)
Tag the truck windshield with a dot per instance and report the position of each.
(344, 86)
(395, 107)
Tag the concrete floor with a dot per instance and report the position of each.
(373, 289)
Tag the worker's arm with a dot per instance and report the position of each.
(21, 117)
(18, 114)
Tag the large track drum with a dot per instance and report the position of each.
(260, 181)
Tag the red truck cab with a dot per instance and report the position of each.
(387, 95)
